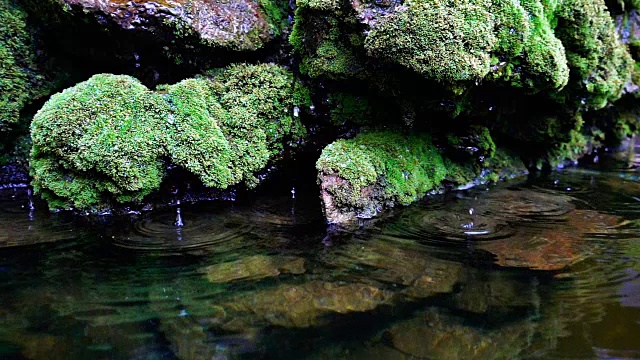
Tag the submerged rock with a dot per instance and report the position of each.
(437, 334)
(302, 305)
(406, 266)
(551, 247)
(254, 268)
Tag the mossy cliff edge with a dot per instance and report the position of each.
(393, 99)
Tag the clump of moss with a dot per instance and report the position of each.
(98, 140)
(527, 55)
(104, 140)
(18, 76)
(326, 44)
(511, 28)
(233, 123)
(444, 40)
(600, 64)
(380, 169)
(195, 140)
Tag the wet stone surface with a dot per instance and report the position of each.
(235, 25)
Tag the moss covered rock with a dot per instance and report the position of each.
(445, 40)
(361, 176)
(230, 125)
(100, 140)
(109, 139)
(600, 64)
(328, 41)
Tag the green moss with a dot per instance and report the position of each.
(600, 64)
(102, 140)
(324, 5)
(233, 124)
(545, 62)
(474, 140)
(18, 78)
(349, 108)
(444, 40)
(98, 140)
(572, 149)
(325, 44)
(276, 14)
(467, 154)
(195, 140)
(511, 28)
(503, 165)
(528, 55)
(381, 168)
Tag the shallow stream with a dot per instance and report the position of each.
(542, 269)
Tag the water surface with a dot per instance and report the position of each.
(542, 269)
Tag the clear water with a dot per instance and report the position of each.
(549, 269)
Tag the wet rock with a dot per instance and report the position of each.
(236, 25)
(552, 247)
(496, 293)
(254, 268)
(391, 263)
(302, 305)
(435, 334)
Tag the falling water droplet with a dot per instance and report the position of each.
(30, 195)
(179, 222)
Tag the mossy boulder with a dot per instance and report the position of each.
(99, 141)
(361, 176)
(328, 41)
(442, 40)
(109, 140)
(527, 55)
(600, 64)
(232, 124)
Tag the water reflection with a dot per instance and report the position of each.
(546, 269)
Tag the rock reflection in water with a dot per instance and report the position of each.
(254, 268)
(551, 248)
(302, 305)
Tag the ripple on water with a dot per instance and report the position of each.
(22, 226)
(203, 232)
